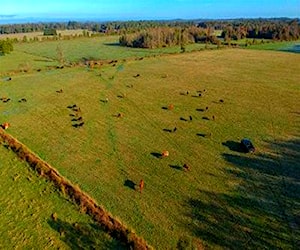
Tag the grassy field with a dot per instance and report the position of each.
(26, 205)
(39, 55)
(39, 35)
(228, 199)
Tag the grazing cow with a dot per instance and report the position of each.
(213, 117)
(175, 129)
(137, 75)
(59, 91)
(23, 100)
(77, 109)
(186, 167)
(221, 100)
(199, 94)
(5, 125)
(120, 115)
(80, 124)
(54, 216)
(141, 185)
(206, 108)
(171, 107)
(165, 153)
(6, 100)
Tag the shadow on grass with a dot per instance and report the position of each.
(234, 146)
(262, 211)
(130, 184)
(84, 235)
(113, 44)
(183, 119)
(177, 167)
(156, 154)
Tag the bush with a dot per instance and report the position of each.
(6, 46)
(50, 32)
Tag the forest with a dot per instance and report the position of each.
(157, 34)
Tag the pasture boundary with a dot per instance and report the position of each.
(111, 225)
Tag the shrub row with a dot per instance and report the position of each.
(111, 225)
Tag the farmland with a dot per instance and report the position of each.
(27, 203)
(228, 198)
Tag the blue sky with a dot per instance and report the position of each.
(150, 9)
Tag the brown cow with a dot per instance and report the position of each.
(165, 153)
(5, 125)
(171, 107)
(141, 185)
(186, 167)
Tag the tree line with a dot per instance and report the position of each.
(157, 34)
(283, 29)
(167, 36)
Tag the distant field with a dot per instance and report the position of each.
(228, 199)
(41, 54)
(30, 35)
(26, 205)
(263, 44)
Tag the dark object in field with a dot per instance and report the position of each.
(213, 117)
(9, 79)
(137, 75)
(247, 145)
(59, 91)
(200, 110)
(191, 118)
(183, 119)
(78, 125)
(221, 100)
(120, 115)
(205, 118)
(156, 154)
(54, 216)
(175, 129)
(206, 108)
(72, 106)
(23, 100)
(130, 184)
(177, 167)
(234, 146)
(104, 100)
(141, 185)
(77, 119)
(76, 109)
(205, 135)
(186, 167)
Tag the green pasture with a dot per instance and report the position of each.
(228, 199)
(26, 205)
(39, 55)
